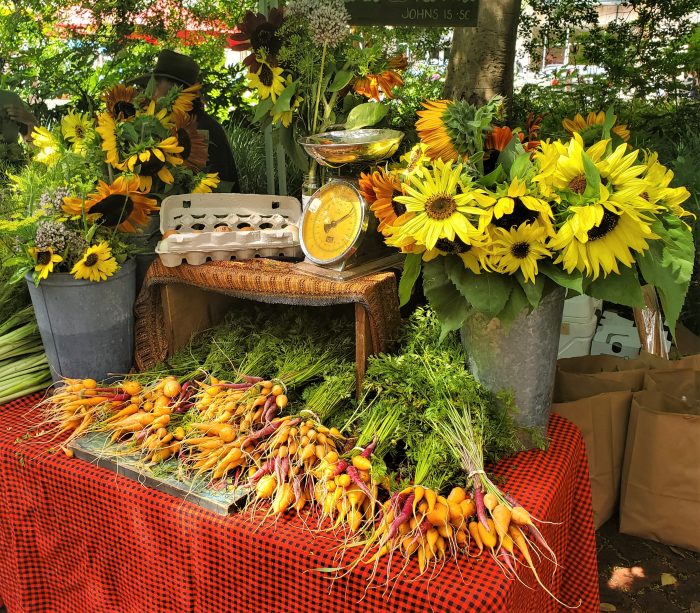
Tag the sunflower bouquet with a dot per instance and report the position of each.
(311, 72)
(93, 183)
(496, 218)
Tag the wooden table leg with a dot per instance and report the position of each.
(364, 347)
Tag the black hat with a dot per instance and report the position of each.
(173, 66)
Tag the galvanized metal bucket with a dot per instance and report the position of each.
(521, 358)
(87, 328)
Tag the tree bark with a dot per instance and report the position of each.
(482, 58)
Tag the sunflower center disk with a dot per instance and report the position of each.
(520, 215)
(91, 260)
(266, 76)
(456, 246)
(183, 139)
(440, 206)
(114, 209)
(578, 184)
(79, 132)
(124, 109)
(151, 167)
(399, 208)
(606, 225)
(265, 37)
(520, 250)
(43, 257)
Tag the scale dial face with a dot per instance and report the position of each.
(332, 223)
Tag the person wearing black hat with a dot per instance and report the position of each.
(176, 69)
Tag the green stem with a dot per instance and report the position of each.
(318, 89)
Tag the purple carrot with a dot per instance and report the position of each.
(219, 485)
(404, 516)
(506, 558)
(512, 501)
(270, 414)
(120, 398)
(236, 477)
(480, 507)
(281, 469)
(296, 487)
(141, 435)
(268, 430)
(249, 379)
(234, 386)
(265, 469)
(351, 471)
(367, 451)
(268, 408)
(340, 468)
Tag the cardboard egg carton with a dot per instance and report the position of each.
(211, 227)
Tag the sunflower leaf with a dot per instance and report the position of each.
(668, 266)
(620, 289)
(411, 270)
(492, 178)
(570, 280)
(610, 119)
(447, 302)
(510, 153)
(293, 148)
(520, 166)
(533, 291)
(486, 292)
(284, 100)
(592, 177)
(366, 114)
(516, 304)
(262, 109)
(341, 79)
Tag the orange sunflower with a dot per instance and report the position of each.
(433, 132)
(120, 101)
(119, 204)
(387, 210)
(195, 151)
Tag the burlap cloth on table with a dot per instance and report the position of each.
(264, 281)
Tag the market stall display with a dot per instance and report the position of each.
(81, 526)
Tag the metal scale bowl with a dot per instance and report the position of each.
(338, 231)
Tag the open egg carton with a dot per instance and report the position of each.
(197, 228)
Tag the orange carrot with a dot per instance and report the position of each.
(501, 520)
(488, 538)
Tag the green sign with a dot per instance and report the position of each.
(422, 13)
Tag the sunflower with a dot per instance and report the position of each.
(206, 183)
(433, 132)
(119, 101)
(598, 236)
(76, 127)
(517, 203)
(441, 203)
(153, 162)
(97, 263)
(473, 256)
(107, 129)
(268, 80)
(373, 85)
(195, 150)
(591, 128)
(518, 249)
(185, 99)
(45, 260)
(385, 207)
(119, 204)
(657, 191)
(48, 146)
(260, 34)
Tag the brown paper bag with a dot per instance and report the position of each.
(657, 363)
(602, 420)
(660, 497)
(598, 363)
(676, 382)
(617, 374)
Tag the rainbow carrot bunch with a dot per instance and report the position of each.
(294, 452)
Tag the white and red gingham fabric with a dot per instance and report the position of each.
(75, 538)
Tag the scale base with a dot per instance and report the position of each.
(395, 260)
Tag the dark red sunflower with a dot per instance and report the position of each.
(195, 151)
(259, 34)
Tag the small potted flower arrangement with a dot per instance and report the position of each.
(502, 223)
(90, 188)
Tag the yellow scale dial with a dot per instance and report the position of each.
(331, 222)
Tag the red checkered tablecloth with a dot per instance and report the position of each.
(77, 538)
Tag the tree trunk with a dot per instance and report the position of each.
(482, 58)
